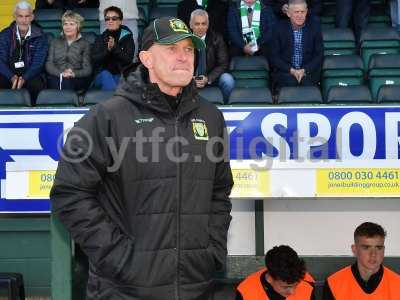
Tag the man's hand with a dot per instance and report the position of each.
(248, 49)
(14, 82)
(298, 74)
(200, 83)
(68, 73)
(110, 43)
(21, 82)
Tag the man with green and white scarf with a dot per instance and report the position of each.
(250, 25)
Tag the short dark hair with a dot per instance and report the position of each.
(115, 9)
(283, 263)
(369, 229)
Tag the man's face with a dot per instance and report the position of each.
(113, 21)
(171, 65)
(369, 252)
(199, 25)
(283, 288)
(23, 18)
(297, 14)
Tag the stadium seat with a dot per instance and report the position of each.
(96, 96)
(144, 5)
(250, 96)
(379, 41)
(212, 94)
(379, 16)
(299, 95)
(57, 98)
(15, 98)
(250, 71)
(90, 37)
(13, 284)
(338, 41)
(91, 16)
(328, 15)
(162, 11)
(355, 94)
(383, 70)
(389, 94)
(49, 20)
(342, 70)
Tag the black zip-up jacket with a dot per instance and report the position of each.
(154, 230)
(119, 57)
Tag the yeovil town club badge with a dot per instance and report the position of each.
(200, 131)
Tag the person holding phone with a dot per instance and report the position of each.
(212, 62)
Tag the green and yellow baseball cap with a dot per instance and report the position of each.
(167, 31)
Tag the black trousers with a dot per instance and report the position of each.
(34, 86)
(356, 11)
(76, 84)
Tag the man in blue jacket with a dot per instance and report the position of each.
(23, 51)
(296, 50)
(250, 24)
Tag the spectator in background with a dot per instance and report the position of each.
(250, 24)
(217, 13)
(284, 277)
(355, 12)
(131, 16)
(72, 4)
(23, 51)
(281, 7)
(68, 63)
(367, 278)
(112, 51)
(212, 62)
(296, 50)
(44, 4)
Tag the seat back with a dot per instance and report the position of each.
(389, 94)
(383, 70)
(349, 95)
(57, 98)
(91, 16)
(250, 71)
(338, 41)
(299, 95)
(250, 96)
(96, 96)
(212, 94)
(15, 98)
(49, 20)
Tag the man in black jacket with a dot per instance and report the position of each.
(213, 61)
(112, 51)
(143, 184)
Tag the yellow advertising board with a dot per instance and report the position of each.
(250, 183)
(40, 183)
(358, 182)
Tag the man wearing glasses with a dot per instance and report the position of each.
(112, 50)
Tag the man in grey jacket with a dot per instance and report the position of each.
(143, 184)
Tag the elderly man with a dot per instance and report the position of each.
(367, 278)
(23, 51)
(143, 185)
(284, 277)
(212, 62)
(296, 50)
(250, 24)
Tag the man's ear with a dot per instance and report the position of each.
(354, 249)
(146, 59)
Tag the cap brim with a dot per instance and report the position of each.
(197, 42)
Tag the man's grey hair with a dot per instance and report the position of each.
(23, 5)
(198, 12)
(296, 2)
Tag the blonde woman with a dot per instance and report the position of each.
(68, 63)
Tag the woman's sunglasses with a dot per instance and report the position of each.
(114, 18)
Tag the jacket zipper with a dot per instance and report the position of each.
(178, 210)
